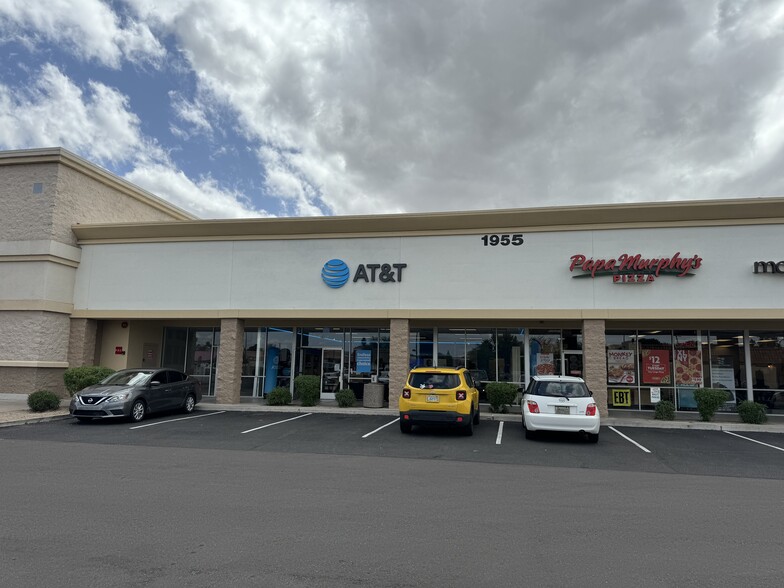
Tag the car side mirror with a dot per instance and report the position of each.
(590, 393)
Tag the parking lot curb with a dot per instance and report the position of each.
(32, 421)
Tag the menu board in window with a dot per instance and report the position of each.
(655, 366)
(620, 366)
(688, 367)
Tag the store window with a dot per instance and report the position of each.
(728, 366)
(622, 370)
(451, 347)
(254, 349)
(766, 349)
(420, 348)
(511, 355)
(278, 358)
(545, 352)
(480, 354)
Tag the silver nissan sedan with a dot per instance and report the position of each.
(134, 393)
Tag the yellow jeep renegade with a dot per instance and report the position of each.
(439, 396)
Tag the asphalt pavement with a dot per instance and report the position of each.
(14, 411)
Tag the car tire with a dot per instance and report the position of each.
(190, 403)
(405, 427)
(138, 410)
(593, 437)
(83, 419)
(529, 434)
(476, 416)
(468, 429)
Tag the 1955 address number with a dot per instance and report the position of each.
(503, 240)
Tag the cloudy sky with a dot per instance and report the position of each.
(246, 108)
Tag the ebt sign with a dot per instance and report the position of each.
(634, 269)
(336, 273)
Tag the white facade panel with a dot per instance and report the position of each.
(442, 272)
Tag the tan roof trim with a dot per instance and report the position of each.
(636, 315)
(73, 161)
(605, 216)
(37, 305)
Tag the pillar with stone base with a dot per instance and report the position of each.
(595, 362)
(229, 368)
(398, 359)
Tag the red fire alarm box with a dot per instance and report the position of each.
(119, 351)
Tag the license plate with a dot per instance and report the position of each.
(432, 398)
(561, 410)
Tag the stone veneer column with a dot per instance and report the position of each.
(398, 359)
(82, 342)
(227, 384)
(595, 362)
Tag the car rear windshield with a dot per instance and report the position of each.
(434, 381)
(568, 389)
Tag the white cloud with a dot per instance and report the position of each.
(357, 106)
(55, 111)
(99, 126)
(204, 197)
(369, 107)
(88, 28)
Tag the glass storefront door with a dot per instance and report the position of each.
(331, 372)
(327, 364)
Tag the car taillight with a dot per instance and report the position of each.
(533, 408)
(591, 410)
(406, 393)
(460, 395)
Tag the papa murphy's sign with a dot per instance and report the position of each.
(634, 268)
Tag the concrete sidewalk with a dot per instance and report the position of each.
(14, 411)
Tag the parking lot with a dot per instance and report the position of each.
(717, 453)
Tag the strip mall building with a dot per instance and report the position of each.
(645, 301)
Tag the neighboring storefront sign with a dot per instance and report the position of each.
(634, 269)
(655, 366)
(620, 366)
(772, 267)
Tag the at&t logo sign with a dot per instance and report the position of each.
(336, 273)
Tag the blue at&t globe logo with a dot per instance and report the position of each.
(335, 273)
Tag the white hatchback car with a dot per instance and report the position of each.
(559, 403)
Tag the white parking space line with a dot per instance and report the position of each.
(500, 433)
(629, 440)
(754, 440)
(381, 427)
(198, 416)
(277, 423)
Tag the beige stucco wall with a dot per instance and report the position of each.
(23, 215)
(38, 261)
(81, 199)
(22, 380)
(34, 336)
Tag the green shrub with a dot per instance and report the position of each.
(42, 401)
(752, 412)
(307, 389)
(345, 397)
(500, 394)
(709, 400)
(665, 411)
(279, 396)
(78, 378)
